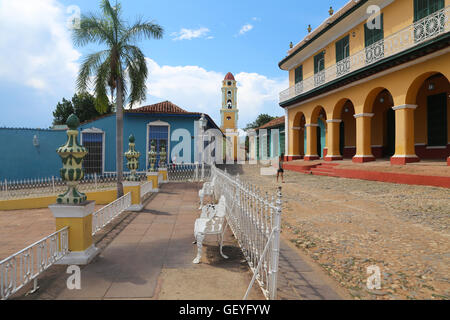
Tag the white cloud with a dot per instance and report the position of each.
(198, 90)
(246, 28)
(189, 34)
(36, 46)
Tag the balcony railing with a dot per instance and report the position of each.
(423, 30)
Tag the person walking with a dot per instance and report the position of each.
(280, 167)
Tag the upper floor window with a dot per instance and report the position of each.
(298, 74)
(372, 39)
(423, 8)
(319, 66)
(343, 52)
(375, 33)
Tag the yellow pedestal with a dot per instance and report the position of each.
(79, 220)
(135, 188)
(163, 173)
(153, 176)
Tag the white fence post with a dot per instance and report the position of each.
(275, 247)
(53, 184)
(95, 180)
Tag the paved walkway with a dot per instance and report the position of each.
(149, 256)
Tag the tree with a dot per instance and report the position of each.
(82, 104)
(63, 110)
(262, 119)
(121, 67)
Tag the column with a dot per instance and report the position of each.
(404, 135)
(363, 138)
(311, 142)
(333, 152)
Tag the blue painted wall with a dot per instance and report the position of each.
(136, 124)
(20, 159)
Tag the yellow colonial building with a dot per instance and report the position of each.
(372, 81)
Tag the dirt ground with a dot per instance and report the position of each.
(346, 225)
(20, 228)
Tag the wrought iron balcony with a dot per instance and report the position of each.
(419, 32)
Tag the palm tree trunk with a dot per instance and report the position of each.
(119, 139)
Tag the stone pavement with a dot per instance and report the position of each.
(149, 256)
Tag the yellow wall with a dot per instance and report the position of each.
(229, 124)
(100, 197)
(396, 16)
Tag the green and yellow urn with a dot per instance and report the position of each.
(72, 155)
(132, 159)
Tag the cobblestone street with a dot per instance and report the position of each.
(346, 225)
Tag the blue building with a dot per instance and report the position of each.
(25, 156)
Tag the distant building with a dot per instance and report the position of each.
(272, 141)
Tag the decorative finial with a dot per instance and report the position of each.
(291, 45)
(152, 156)
(72, 172)
(162, 156)
(132, 159)
(309, 28)
(331, 11)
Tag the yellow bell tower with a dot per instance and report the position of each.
(229, 110)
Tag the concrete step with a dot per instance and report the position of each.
(323, 173)
(324, 169)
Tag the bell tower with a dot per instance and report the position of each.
(229, 110)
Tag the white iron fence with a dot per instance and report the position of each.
(26, 265)
(55, 185)
(106, 214)
(255, 220)
(415, 34)
(146, 190)
(193, 172)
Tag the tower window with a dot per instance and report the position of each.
(229, 93)
(229, 104)
(228, 118)
(229, 83)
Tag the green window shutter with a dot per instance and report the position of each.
(299, 74)
(423, 8)
(342, 49)
(373, 35)
(319, 62)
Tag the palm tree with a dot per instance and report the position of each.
(121, 67)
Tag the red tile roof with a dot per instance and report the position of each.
(161, 107)
(273, 123)
(229, 76)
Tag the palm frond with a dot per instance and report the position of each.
(142, 29)
(136, 67)
(92, 30)
(101, 84)
(90, 64)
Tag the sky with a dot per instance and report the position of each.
(203, 40)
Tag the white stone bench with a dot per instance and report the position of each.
(211, 222)
(206, 190)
